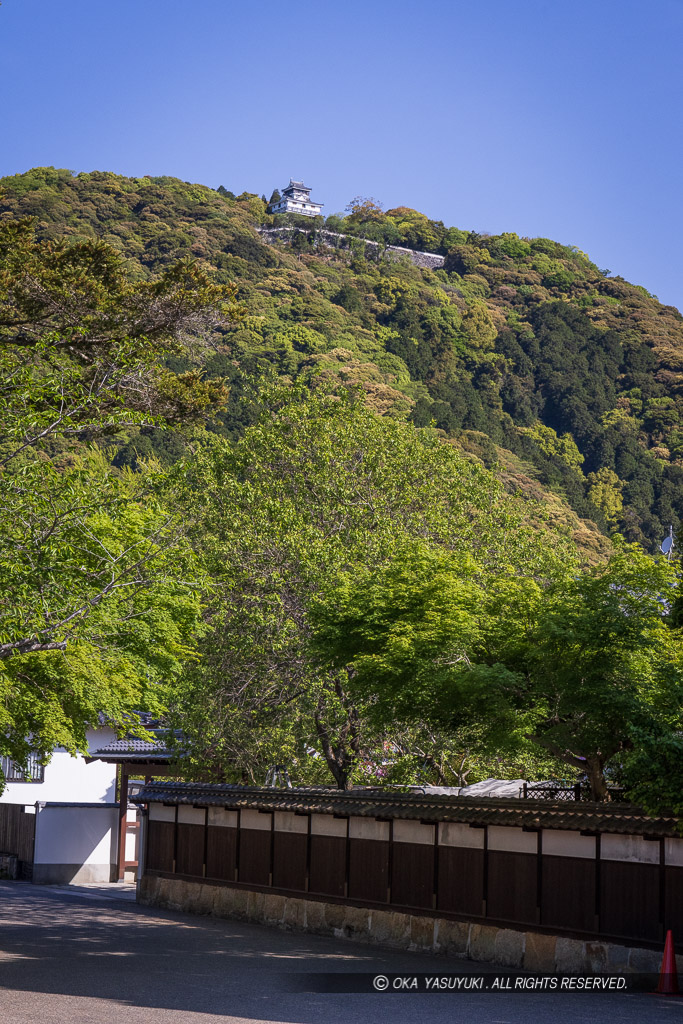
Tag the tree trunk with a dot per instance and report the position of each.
(593, 766)
(596, 778)
(341, 755)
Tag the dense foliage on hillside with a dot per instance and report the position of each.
(99, 603)
(239, 514)
(517, 344)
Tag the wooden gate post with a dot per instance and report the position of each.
(123, 820)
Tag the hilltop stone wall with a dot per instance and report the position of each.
(425, 260)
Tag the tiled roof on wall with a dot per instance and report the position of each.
(383, 803)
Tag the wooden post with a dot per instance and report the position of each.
(539, 877)
(485, 894)
(662, 886)
(307, 884)
(390, 861)
(238, 843)
(123, 816)
(435, 883)
(347, 861)
(598, 882)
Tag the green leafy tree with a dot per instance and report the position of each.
(605, 493)
(575, 668)
(464, 259)
(364, 209)
(652, 770)
(95, 574)
(80, 357)
(89, 557)
(553, 446)
(605, 664)
(413, 633)
(318, 489)
(81, 345)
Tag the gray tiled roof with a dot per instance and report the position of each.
(382, 803)
(133, 748)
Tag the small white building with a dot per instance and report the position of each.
(296, 198)
(69, 822)
(61, 819)
(64, 777)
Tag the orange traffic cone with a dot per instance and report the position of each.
(668, 975)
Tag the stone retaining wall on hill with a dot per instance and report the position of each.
(425, 260)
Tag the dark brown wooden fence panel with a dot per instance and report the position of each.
(289, 860)
(221, 852)
(255, 856)
(328, 865)
(558, 892)
(512, 886)
(568, 893)
(17, 832)
(368, 869)
(190, 850)
(160, 844)
(673, 916)
(412, 875)
(461, 880)
(629, 900)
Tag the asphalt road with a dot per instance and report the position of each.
(82, 957)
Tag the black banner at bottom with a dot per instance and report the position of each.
(470, 982)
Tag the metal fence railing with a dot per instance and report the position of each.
(34, 772)
(564, 791)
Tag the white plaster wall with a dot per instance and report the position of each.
(568, 844)
(634, 849)
(512, 840)
(217, 816)
(287, 821)
(368, 828)
(131, 849)
(297, 206)
(328, 825)
(69, 778)
(413, 832)
(158, 812)
(453, 833)
(191, 815)
(673, 851)
(75, 843)
(256, 820)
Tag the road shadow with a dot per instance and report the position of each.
(125, 955)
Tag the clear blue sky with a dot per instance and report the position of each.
(542, 117)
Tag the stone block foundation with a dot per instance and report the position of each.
(506, 947)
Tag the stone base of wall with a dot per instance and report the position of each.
(506, 947)
(72, 874)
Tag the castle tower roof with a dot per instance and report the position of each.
(296, 199)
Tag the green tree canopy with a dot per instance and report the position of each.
(319, 490)
(91, 559)
(576, 666)
(98, 579)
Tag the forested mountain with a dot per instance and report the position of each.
(565, 379)
(308, 573)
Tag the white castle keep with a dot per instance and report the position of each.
(296, 198)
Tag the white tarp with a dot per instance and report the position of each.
(494, 787)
